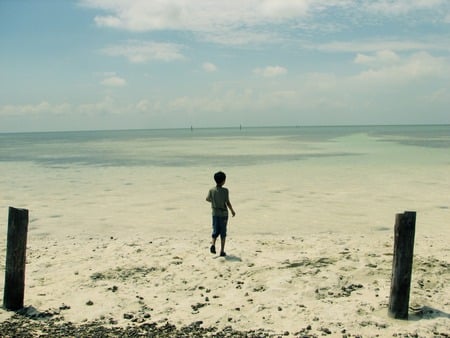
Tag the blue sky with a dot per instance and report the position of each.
(120, 64)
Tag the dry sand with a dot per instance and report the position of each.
(307, 254)
(327, 283)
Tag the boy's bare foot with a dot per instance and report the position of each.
(212, 249)
(223, 254)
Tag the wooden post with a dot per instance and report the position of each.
(405, 225)
(15, 259)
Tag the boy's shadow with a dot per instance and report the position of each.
(230, 258)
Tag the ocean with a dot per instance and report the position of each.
(229, 146)
(281, 179)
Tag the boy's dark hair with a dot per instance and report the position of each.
(219, 177)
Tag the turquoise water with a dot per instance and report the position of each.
(282, 180)
(185, 147)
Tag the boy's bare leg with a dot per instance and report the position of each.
(222, 244)
(213, 245)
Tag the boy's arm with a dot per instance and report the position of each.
(231, 208)
(208, 197)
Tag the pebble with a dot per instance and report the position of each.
(20, 326)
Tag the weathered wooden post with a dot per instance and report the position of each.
(405, 226)
(13, 293)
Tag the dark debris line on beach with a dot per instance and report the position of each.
(23, 327)
(19, 326)
(27, 328)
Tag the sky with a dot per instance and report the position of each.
(145, 64)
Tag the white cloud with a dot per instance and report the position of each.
(284, 9)
(384, 57)
(270, 71)
(107, 105)
(113, 81)
(227, 22)
(231, 37)
(209, 67)
(197, 104)
(255, 22)
(207, 15)
(108, 21)
(418, 66)
(144, 51)
(364, 59)
(391, 44)
(143, 105)
(42, 107)
(199, 15)
(391, 7)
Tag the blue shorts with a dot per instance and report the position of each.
(219, 224)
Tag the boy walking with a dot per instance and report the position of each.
(220, 203)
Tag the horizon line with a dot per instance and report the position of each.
(240, 127)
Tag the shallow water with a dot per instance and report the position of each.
(281, 180)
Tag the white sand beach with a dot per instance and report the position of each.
(309, 251)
